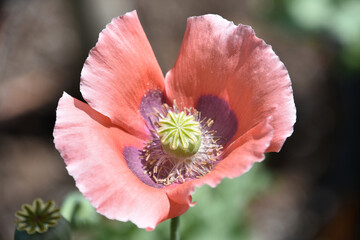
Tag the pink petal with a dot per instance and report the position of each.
(119, 71)
(220, 59)
(92, 148)
(250, 148)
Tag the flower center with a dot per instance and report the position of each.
(180, 134)
(183, 146)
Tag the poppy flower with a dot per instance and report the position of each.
(142, 142)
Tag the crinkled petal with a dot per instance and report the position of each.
(92, 147)
(250, 148)
(119, 71)
(220, 59)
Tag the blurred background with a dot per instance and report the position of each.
(307, 191)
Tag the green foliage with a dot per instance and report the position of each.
(78, 211)
(341, 19)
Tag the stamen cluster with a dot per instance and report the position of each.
(166, 167)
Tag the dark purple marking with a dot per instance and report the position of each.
(152, 99)
(225, 119)
(135, 164)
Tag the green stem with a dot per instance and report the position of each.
(174, 228)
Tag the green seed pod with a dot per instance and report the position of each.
(180, 134)
(41, 221)
(61, 231)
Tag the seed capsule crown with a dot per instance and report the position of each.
(180, 134)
